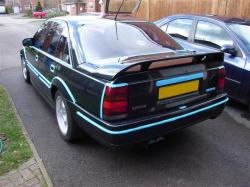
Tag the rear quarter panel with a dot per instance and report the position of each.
(86, 91)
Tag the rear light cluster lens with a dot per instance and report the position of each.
(221, 80)
(115, 101)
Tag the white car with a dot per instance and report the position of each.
(2, 9)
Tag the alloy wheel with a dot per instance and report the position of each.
(61, 114)
(24, 70)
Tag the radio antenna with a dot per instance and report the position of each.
(119, 9)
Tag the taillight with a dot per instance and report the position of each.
(115, 102)
(221, 80)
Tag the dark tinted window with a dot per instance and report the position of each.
(212, 35)
(110, 40)
(41, 34)
(52, 38)
(62, 50)
(180, 28)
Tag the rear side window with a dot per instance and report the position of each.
(180, 28)
(62, 50)
(52, 38)
(41, 34)
(56, 42)
(212, 35)
(164, 27)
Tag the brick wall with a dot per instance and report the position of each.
(25, 4)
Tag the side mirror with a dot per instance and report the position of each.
(230, 49)
(28, 42)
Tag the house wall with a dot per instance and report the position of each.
(74, 8)
(52, 3)
(26, 5)
(93, 6)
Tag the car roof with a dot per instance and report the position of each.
(95, 17)
(75, 19)
(225, 19)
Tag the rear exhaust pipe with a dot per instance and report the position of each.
(154, 141)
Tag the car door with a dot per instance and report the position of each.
(214, 37)
(47, 66)
(33, 55)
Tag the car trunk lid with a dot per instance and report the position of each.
(111, 69)
(168, 84)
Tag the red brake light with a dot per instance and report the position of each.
(115, 102)
(221, 80)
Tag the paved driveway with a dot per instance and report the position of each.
(215, 152)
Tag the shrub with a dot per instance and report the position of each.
(8, 9)
(28, 13)
(39, 7)
(56, 14)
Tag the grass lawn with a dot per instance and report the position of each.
(16, 149)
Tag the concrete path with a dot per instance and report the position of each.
(27, 174)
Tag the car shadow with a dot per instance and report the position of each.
(243, 109)
(172, 143)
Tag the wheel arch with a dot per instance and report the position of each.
(22, 52)
(59, 84)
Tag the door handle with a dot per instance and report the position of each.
(52, 68)
(36, 58)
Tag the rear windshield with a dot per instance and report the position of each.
(113, 40)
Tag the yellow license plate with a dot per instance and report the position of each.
(178, 89)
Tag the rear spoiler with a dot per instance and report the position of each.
(146, 63)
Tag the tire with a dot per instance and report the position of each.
(69, 131)
(25, 71)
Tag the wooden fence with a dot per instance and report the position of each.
(156, 9)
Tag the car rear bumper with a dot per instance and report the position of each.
(146, 128)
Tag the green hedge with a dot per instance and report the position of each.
(28, 13)
(56, 14)
(8, 9)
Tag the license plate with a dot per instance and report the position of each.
(178, 89)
